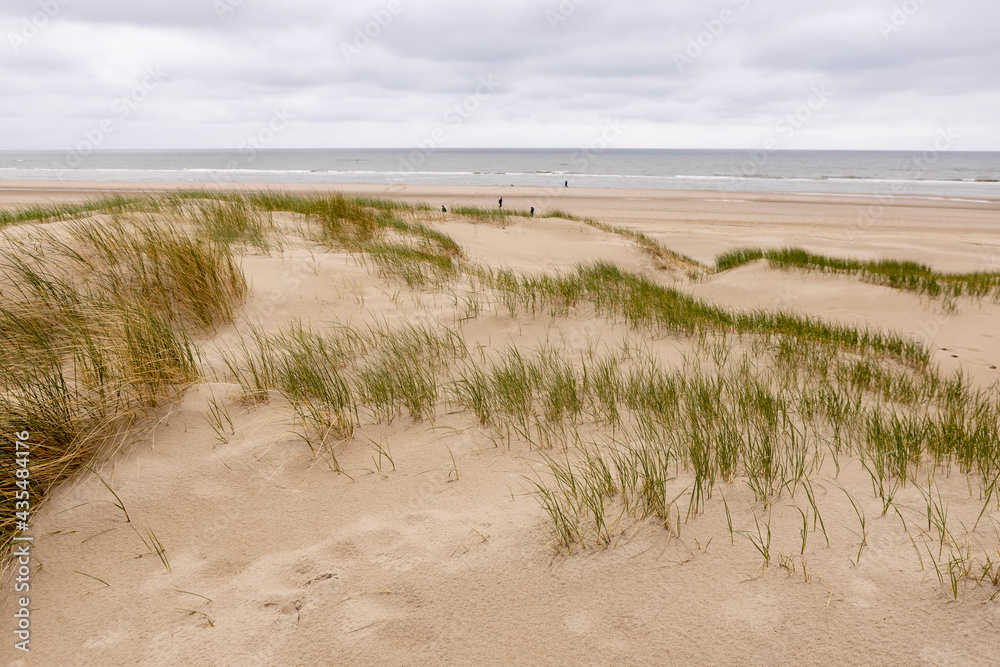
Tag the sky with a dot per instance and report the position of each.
(782, 74)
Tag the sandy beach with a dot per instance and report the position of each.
(431, 545)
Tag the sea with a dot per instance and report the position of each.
(935, 174)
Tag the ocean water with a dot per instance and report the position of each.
(935, 174)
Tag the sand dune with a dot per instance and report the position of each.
(443, 555)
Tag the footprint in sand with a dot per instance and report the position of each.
(323, 577)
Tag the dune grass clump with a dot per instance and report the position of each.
(369, 226)
(235, 221)
(767, 421)
(559, 213)
(410, 251)
(737, 257)
(903, 275)
(898, 274)
(42, 213)
(330, 376)
(320, 205)
(719, 424)
(644, 303)
(664, 257)
(661, 255)
(187, 279)
(406, 369)
(309, 369)
(414, 265)
(73, 371)
(494, 216)
(770, 418)
(99, 317)
(95, 327)
(115, 204)
(517, 394)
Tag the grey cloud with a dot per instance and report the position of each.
(568, 62)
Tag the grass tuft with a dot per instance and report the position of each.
(898, 274)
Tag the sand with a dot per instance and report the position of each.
(447, 558)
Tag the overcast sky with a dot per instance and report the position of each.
(878, 74)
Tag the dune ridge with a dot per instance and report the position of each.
(415, 436)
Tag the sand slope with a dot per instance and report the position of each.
(443, 556)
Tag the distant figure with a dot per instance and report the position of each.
(444, 210)
(501, 202)
(532, 211)
(566, 184)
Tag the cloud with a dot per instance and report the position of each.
(381, 73)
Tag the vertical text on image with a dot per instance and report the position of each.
(22, 542)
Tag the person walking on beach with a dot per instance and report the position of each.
(566, 184)
(532, 211)
(501, 202)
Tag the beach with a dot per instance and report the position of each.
(426, 541)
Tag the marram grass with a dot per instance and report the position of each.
(898, 274)
(644, 303)
(106, 316)
(96, 330)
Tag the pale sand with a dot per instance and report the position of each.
(305, 566)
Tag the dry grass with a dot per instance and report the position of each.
(898, 274)
(99, 320)
(97, 327)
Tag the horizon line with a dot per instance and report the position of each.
(502, 149)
